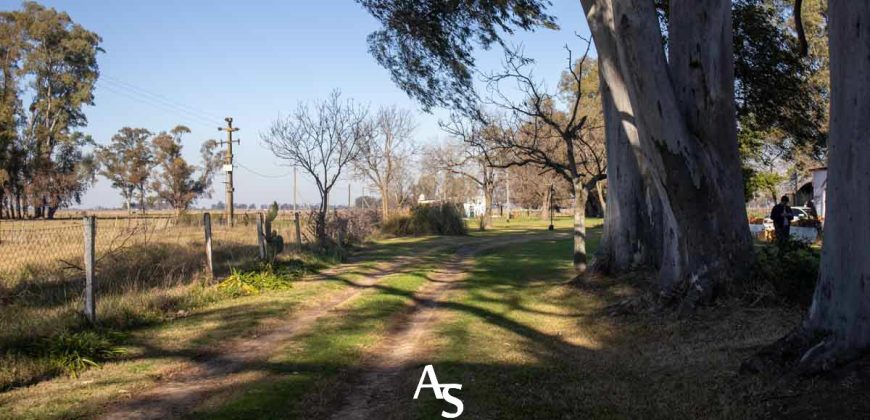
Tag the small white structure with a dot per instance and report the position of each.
(820, 183)
(422, 200)
(474, 208)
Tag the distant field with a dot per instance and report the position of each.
(51, 246)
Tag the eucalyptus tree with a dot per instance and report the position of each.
(688, 165)
(177, 182)
(60, 56)
(837, 327)
(127, 162)
(50, 60)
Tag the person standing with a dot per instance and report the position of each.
(782, 215)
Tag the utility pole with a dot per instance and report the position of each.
(295, 209)
(348, 195)
(507, 177)
(228, 166)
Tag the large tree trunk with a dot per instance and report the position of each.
(580, 197)
(837, 327)
(320, 223)
(486, 221)
(687, 149)
(632, 222)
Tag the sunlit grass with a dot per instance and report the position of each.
(526, 343)
(179, 334)
(308, 376)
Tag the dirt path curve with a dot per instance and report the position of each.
(374, 393)
(201, 378)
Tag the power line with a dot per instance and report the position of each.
(144, 100)
(161, 98)
(260, 174)
(164, 107)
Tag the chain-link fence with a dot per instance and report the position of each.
(43, 263)
(48, 256)
(39, 246)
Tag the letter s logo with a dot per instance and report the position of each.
(445, 390)
(441, 391)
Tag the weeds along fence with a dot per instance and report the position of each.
(50, 263)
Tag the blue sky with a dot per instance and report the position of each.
(193, 62)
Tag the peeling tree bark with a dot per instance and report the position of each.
(683, 109)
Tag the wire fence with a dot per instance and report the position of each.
(126, 249)
(115, 266)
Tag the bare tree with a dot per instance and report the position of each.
(472, 158)
(322, 138)
(531, 187)
(384, 152)
(537, 132)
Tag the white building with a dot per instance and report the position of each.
(820, 184)
(474, 208)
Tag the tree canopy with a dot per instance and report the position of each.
(428, 46)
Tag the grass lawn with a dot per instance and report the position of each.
(156, 349)
(526, 344)
(307, 378)
(521, 337)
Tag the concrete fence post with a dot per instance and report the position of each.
(298, 230)
(261, 239)
(206, 223)
(90, 230)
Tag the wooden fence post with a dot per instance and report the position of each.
(90, 225)
(298, 230)
(206, 223)
(261, 240)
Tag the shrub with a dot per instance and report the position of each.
(361, 224)
(785, 272)
(75, 352)
(444, 219)
(265, 277)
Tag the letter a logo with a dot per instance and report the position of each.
(442, 392)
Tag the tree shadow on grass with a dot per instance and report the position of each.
(555, 378)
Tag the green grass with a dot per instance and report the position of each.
(501, 226)
(306, 377)
(525, 343)
(523, 339)
(184, 324)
